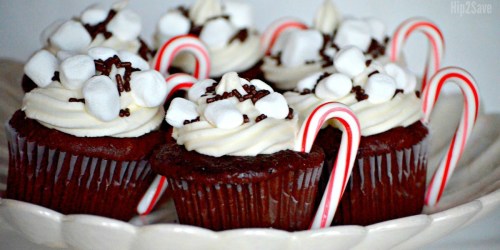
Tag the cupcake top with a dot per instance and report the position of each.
(226, 28)
(233, 117)
(116, 27)
(297, 53)
(382, 94)
(101, 93)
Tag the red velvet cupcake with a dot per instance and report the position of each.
(81, 142)
(232, 163)
(388, 178)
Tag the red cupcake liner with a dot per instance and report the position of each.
(384, 187)
(284, 202)
(74, 184)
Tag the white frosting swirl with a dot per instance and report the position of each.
(226, 55)
(51, 108)
(286, 78)
(214, 135)
(375, 116)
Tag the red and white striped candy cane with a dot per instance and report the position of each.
(175, 82)
(345, 159)
(183, 43)
(436, 44)
(276, 28)
(469, 90)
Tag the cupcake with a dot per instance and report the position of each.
(82, 139)
(231, 162)
(388, 178)
(117, 28)
(297, 53)
(227, 30)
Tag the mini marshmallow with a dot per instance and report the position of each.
(173, 23)
(181, 110)
(260, 85)
(136, 60)
(334, 87)
(125, 25)
(350, 61)
(94, 15)
(405, 79)
(50, 30)
(149, 88)
(308, 82)
(101, 53)
(353, 32)
(223, 114)
(301, 46)
(380, 88)
(101, 98)
(377, 29)
(240, 13)
(273, 105)
(75, 70)
(71, 36)
(216, 33)
(41, 67)
(199, 88)
(327, 18)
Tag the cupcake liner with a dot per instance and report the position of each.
(73, 184)
(285, 201)
(384, 187)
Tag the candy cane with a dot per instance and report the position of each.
(175, 82)
(183, 43)
(469, 90)
(276, 28)
(436, 41)
(345, 159)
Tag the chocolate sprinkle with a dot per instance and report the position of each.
(360, 93)
(368, 62)
(260, 118)
(305, 92)
(197, 119)
(56, 76)
(417, 93)
(241, 35)
(76, 100)
(373, 73)
(124, 112)
(290, 114)
(100, 28)
(246, 119)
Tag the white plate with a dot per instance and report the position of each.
(473, 192)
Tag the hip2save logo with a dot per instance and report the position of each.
(471, 8)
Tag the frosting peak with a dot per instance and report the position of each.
(202, 10)
(233, 117)
(327, 18)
